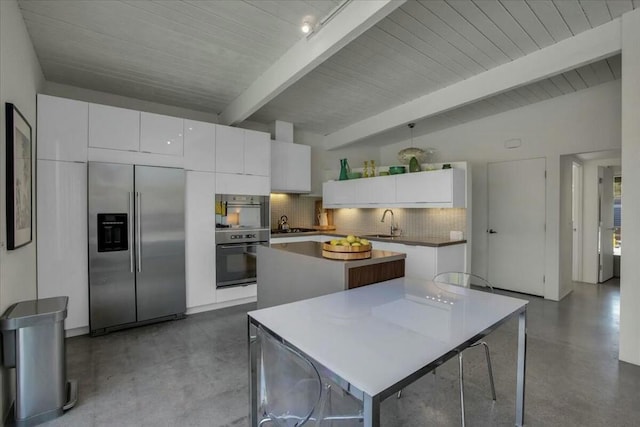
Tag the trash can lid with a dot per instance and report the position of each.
(34, 312)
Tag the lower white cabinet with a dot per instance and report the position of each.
(424, 262)
(236, 293)
(62, 237)
(200, 238)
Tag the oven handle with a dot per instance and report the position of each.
(240, 245)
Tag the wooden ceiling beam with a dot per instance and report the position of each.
(354, 19)
(587, 47)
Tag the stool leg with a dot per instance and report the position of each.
(461, 388)
(486, 352)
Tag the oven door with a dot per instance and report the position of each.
(236, 263)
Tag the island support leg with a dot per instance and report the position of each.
(253, 375)
(522, 363)
(371, 411)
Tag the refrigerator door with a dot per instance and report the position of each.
(112, 297)
(160, 237)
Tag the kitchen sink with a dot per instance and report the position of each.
(379, 236)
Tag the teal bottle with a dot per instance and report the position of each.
(344, 170)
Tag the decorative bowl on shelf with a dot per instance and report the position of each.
(394, 170)
(354, 175)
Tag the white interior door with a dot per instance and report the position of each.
(576, 219)
(605, 232)
(516, 232)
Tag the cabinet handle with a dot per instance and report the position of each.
(130, 229)
(138, 232)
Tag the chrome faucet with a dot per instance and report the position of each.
(394, 226)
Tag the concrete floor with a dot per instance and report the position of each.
(193, 372)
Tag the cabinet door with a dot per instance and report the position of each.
(200, 238)
(450, 258)
(161, 134)
(257, 153)
(299, 167)
(421, 262)
(338, 193)
(424, 187)
(114, 128)
(229, 149)
(279, 165)
(62, 129)
(242, 184)
(199, 146)
(375, 191)
(62, 237)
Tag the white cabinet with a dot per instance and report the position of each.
(199, 146)
(441, 188)
(339, 193)
(242, 151)
(257, 153)
(62, 237)
(200, 238)
(229, 149)
(114, 128)
(380, 190)
(435, 189)
(290, 167)
(227, 183)
(424, 262)
(237, 293)
(161, 134)
(62, 129)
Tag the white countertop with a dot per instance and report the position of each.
(378, 335)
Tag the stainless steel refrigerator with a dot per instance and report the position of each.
(136, 245)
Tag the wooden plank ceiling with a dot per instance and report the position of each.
(203, 54)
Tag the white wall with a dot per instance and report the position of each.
(629, 265)
(88, 95)
(584, 121)
(590, 261)
(20, 79)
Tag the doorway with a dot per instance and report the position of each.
(605, 223)
(576, 220)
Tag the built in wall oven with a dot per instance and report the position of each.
(236, 255)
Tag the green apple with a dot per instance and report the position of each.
(364, 242)
(334, 242)
(351, 238)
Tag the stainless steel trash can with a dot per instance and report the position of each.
(33, 343)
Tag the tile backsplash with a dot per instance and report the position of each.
(433, 222)
(299, 209)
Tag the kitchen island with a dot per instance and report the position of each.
(289, 272)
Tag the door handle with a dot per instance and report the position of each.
(138, 232)
(130, 229)
(492, 231)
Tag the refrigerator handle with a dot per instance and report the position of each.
(130, 229)
(138, 232)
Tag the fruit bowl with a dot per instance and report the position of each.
(348, 248)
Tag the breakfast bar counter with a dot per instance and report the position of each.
(289, 272)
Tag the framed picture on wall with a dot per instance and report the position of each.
(19, 179)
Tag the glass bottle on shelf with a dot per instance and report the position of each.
(373, 168)
(365, 170)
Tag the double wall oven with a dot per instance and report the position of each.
(242, 225)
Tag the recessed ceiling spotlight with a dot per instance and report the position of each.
(308, 23)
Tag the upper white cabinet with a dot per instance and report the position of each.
(340, 194)
(114, 128)
(199, 146)
(161, 134)
(257, 153)
(434, 189)
(445, 186)
(242, 151)
(229, 149)
(290, 167)
(227, 183)
(62, 129)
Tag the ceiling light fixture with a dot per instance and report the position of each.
(307, 26)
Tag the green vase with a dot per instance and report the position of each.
(344, 169)
(414, 166)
